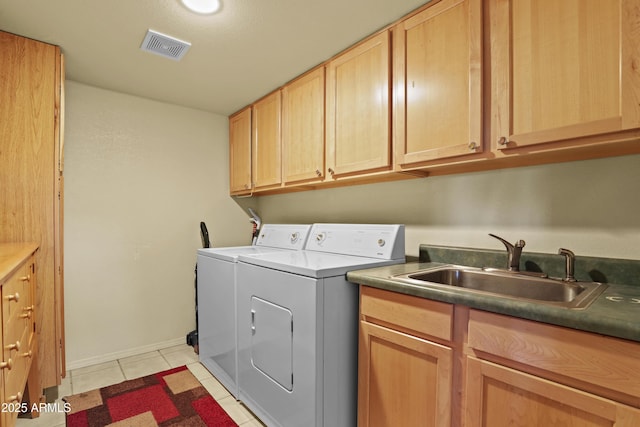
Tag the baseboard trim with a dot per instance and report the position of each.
(121, 354)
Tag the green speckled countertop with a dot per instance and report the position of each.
(616, 312)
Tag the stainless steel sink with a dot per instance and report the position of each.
(515, 285)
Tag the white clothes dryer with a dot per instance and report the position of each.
(217, 330)
(298, 324)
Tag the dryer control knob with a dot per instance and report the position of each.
(294, 237)
(381, 242)
(320, 237)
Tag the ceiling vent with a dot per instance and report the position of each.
(164, 45)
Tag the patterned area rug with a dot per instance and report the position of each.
(169, 398)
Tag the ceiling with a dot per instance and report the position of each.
(237, 55)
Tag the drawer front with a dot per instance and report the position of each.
(607, 362)
(15, 294)
(406, 313)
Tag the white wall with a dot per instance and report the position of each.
(591, 207)
(139, 176)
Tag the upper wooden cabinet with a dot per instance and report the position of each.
(240, 152)
(562, 70)
(265, 147)
(303, 128)
(358, 111)
(437, 82)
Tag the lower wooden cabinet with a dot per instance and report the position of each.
(427, 363)
(403, 379)
(18, 337)
(498, 396)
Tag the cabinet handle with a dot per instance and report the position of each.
(25, 278)
(331, 171)
(30, 308)
(503, 141)
(6, 365)
(15, 347)
(26, 315)
(28, 354)
(14, 297)
(318, 172)
(473, 146)
(15, 398)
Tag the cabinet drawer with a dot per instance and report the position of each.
(592, 359)
(15, 294)
(406, 313)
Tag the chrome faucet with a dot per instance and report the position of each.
(569, 262)
(514, 252)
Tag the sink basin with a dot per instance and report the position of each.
(515, 285)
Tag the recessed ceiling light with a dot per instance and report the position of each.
(202, 6)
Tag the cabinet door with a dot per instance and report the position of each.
(563, 69)
(240, 152)
(266, 143)
(497, 396)
(358, 113)
(437, 78)
(303, 128)
(402, 380)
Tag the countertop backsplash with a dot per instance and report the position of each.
(605, 270)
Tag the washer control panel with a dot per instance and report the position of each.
(288, 236)
(384, 241)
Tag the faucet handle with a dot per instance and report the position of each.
(569, 263)
(509, 246)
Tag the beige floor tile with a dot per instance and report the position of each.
(235, 409)
(253, 422)
(199, 371)
(96, 379)
(93, 368)
(138, 357)
(179, 356)
(216, 389)
(136, 368)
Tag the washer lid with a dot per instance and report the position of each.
(313, 264)
(231, 253)
(272, 237)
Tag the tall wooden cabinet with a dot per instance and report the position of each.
(31, 180)
(562, 70)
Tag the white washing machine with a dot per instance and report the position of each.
(217, 330)
(298, 324)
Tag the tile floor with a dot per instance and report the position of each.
(104, 374)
